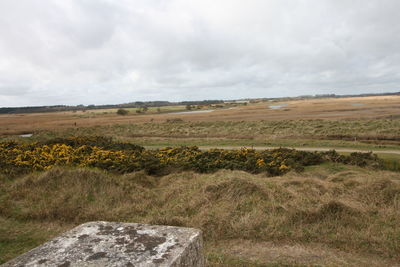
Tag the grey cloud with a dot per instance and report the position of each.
(91, 51)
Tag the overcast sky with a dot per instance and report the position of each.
(117, 51)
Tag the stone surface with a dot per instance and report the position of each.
(118, 244)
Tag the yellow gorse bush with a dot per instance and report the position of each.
(18, 158)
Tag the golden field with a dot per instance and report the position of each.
(327, 108)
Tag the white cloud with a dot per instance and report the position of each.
(95, 52)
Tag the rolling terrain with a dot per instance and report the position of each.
(334, 210)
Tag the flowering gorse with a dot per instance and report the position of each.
(16, 158)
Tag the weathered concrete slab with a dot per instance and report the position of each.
(118, 244)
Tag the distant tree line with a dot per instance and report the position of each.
(137, 104)
(146, 104)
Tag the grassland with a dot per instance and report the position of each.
(329, 215)
(329, 123)
(326, 109)
(378, 133)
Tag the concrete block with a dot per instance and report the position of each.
(118, 244)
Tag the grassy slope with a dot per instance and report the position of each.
(348, 214)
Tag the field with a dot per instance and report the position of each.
(257, 207)
(383, 107)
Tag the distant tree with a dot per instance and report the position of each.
(145, 109)
(159, 110)
(122, 111)
(188, 107)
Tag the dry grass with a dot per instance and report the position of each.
(334, 209)
(335, 129)
(263, 253)
(330, 215)
(375, 107)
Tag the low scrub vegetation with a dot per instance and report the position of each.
(100, 152)
(122, 111)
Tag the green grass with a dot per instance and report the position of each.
(391, 161)
(16, 237)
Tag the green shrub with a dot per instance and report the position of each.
(122, 111)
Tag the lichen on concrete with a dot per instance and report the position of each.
(118, 244)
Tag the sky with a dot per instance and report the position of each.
(74, 52)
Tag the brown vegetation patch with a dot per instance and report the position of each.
(343, 176)
(331, 211)
(233, 189)
(381, 192)
(263, 253)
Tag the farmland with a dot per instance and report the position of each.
(257, 207)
